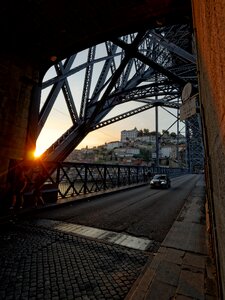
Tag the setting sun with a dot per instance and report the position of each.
(38, 152)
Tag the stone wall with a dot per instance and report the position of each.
(209, 27)
(18, 78)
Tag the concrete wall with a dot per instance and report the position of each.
(209, 26)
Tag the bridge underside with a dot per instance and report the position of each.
(46, 30)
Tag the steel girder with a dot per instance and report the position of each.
(128, 67)
(195, 149)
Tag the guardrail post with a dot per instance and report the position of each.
(118, 177)
(137, 175)
(58, 174)
(129, 175)
(105, 173)
(85, 179)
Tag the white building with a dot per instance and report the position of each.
(127, 152)
(112, 145)
(147, 139)
(168, 151)
(129, 135)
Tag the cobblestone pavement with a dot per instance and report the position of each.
(40, 263)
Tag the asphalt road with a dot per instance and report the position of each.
(141, 212)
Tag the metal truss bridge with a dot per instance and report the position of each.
(148, 68)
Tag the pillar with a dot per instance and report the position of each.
(18, 81)
(209, 30)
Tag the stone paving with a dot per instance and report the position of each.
(40, 263)
(40, 259)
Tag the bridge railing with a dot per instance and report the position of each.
(68, 179)
(77, 179)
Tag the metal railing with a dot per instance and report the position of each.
(77, 179)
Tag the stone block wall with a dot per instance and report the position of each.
(17, 80)
(209, 29)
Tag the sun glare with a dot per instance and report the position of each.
(38, 152)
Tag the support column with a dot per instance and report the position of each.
(209, 29)
(18, 79)
(157, 135)
(178, 132)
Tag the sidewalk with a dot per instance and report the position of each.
(182, 268)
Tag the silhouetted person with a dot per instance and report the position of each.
(38, 196)
(18, 182)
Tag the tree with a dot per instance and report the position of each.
(146, 131)
(140, 132)
(165, 132)
(173, 135)
(145, 154)
(154, 133)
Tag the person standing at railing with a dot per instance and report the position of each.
(37, 193)
(18, 183)
(37, 187)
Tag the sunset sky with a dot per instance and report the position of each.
(59, 122)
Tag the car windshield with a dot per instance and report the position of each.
(160, 177)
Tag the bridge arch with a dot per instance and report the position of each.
(110, 75)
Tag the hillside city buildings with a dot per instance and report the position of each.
(137, 147)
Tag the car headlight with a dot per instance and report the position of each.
(151, 181)
(163, 182)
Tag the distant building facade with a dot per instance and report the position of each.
(112, 145)
(127, 152)
(130, 135)
(168, 151)
(147, 139)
